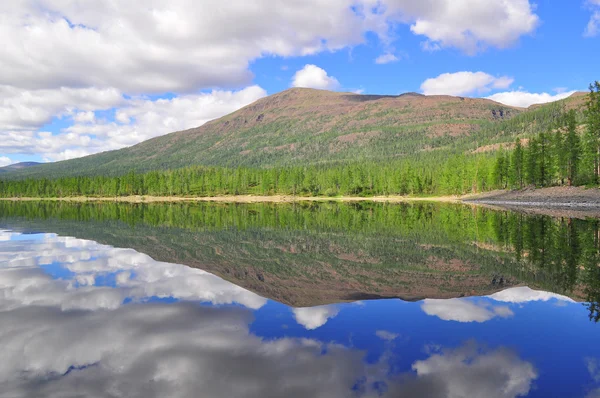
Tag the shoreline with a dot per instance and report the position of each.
(238, 199)
(525, 204)
(551, 199)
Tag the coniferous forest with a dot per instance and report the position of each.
(564, 149)
(565, 154)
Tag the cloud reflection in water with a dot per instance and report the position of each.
(75, 332)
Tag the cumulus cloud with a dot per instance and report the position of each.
(177, 46)
(458, 372)
(176, 350)
(157, 350)
(315, 317)
(464, 83)
(464, 310)
(24, 283)
(525, 294)
(311, 76)
(31, 109)
(137, 119)
(525, 99)
(469, 25)
(386, 59)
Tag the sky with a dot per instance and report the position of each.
(82, 77)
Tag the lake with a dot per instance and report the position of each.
(296, 300)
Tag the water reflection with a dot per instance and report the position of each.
(319, 254)
(79, 318)
(314, 317)
(79, 274)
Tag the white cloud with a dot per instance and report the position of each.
(84, 117)
(311, 76)
(137, 119)
(5, 161)
(31, 109)
(141, 47)
(464, 310)
(151, 46)
(469, 25)
(458, 373)
(593, 27)
(24, 283)
(524, 294)
(464, 83)
(159, 350)
(176, 350)
(386, 59)
(524, 99)
(314, 317)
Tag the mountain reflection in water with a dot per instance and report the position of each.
(82, 318)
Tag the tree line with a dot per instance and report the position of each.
(458, 174)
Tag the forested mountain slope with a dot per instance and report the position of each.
(306, 126)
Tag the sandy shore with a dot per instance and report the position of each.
(244, 199)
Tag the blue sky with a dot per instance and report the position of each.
(77, 80)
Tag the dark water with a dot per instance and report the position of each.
(321, 300)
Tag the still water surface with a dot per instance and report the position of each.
(319, 300)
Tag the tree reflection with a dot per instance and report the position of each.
(372, 246)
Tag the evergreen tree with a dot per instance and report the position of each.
(560, 155)
(572, 147)
(516, 175)
(592, 136)
(546, 162)
(532, 160)
(500, 173)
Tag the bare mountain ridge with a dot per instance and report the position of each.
(302, 126)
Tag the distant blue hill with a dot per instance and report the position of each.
(18, 166)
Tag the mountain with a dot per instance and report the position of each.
(18, 166)
(306, 126)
